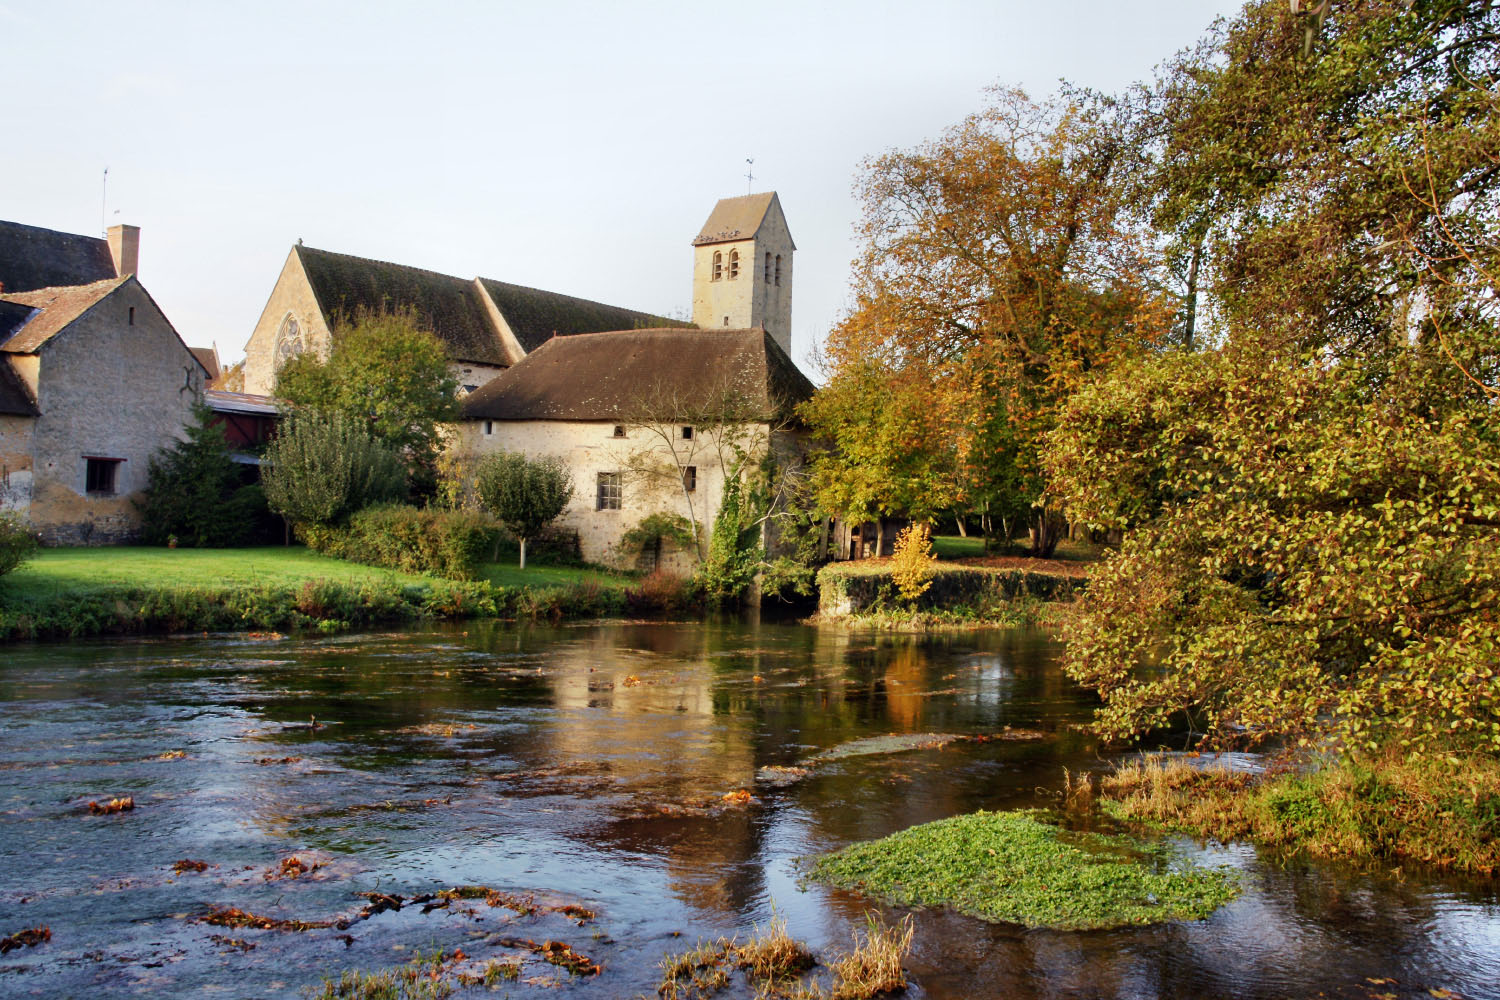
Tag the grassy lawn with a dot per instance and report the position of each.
(80, 569)
(957, 547)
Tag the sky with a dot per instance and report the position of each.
(576, 147)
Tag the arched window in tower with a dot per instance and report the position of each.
(778, 269)
(718, 265)
(734, 264)
(768, 269)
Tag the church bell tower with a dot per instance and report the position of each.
(742, 268)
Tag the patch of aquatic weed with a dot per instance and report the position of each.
(772, 955)
(1012, 867)
(874, 966)
(1441, 811)
(696, 974)
(423, 978)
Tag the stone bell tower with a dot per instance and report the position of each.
(742, 268)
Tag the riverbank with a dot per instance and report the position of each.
(996, 592)
(123, 591)
(1439, 813)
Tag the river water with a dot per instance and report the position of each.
(588, 766)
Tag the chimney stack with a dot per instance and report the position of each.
(125, 248)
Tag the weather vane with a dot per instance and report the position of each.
(749, 174)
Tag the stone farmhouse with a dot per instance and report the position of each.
(93, 381)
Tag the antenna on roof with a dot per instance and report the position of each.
(103, 200)
(749, 174)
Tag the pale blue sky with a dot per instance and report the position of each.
(575, 147)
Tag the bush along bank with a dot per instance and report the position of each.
(315, 604)
(868, 593)
(1439, 812)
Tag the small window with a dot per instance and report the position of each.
(768, 269)
(609, 491)
(718, 265)
(131, 319)
(690, 478)
(99, 476)
(726, 320)
(734, 264)
(778, 269)
(619, 430)
(489, 427)
(687, 433)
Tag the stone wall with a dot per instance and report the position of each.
(589, 448)
(109, 389)
(16, 434)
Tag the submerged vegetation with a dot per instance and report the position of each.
(1442, 813)
(1015, 868)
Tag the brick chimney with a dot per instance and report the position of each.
(125, 248)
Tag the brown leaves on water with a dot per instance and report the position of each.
(559, 953)
(738, 797)
(28, 938)
(113, 806)
(292, 866)
(172, 755)
(189, 865)
(267, 761)
(234, 917)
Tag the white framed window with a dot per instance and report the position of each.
(609, 491)
(734, 265)
(718, 265)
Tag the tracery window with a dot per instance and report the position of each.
(289, 342)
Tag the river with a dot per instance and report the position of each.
(587, 766)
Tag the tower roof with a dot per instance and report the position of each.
(737, 218)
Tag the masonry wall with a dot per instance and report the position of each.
(293, 298)
(106, 389)
(589, 448)
(16, 435)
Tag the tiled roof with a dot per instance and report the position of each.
(536, 316)
(208, 357)
(55, 309)
(613, 376)
(450, 307)
(735, 218)
(32, 258)
(15, 398)
(224, 401)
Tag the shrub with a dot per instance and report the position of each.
(449, 543)
(17, 544)
(655, 532)
(912, 562)
(323, 467)
(660, 591)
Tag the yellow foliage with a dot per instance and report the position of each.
(912, 562)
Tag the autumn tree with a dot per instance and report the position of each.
(999, 270)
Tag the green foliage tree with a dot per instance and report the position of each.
(735, 553)
(193, 491)
(388, 372)
(323, 467)
(525, 494)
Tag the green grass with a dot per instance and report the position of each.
(81, 569)
(1010, 867)
(972, 547)
(957, 547)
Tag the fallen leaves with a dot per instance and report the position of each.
(113, 806)
(234, 917)
(189, 865)
(29, 938)
(738, 797)
(267, 761)
(559, 953)
(631, 681)
(172, 755)
(292, 866)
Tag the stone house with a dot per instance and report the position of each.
(647, 421)
(486, 325)
(650, 420)
(93, 381)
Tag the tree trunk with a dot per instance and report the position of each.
(879, 537)
(523, 553)
(962, 531)
(1046, 528)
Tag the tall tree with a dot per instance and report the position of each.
(525, 494)
(999, 269)
(387, 372)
